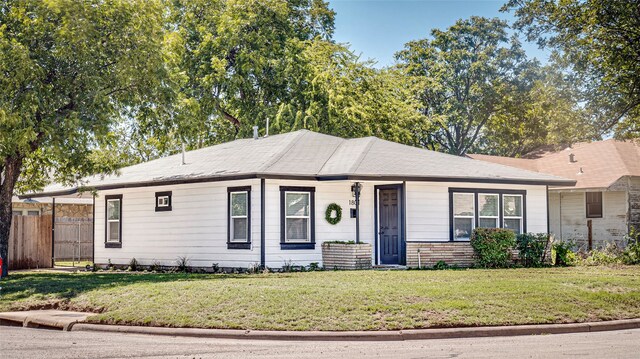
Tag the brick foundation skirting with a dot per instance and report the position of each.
(346, 256)
(452, 253)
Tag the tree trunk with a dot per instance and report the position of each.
(12, 167)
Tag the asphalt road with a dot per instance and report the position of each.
(16, 342)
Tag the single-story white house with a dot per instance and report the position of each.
(262, 201)
(604, 204)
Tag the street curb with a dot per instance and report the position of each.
(392, 335)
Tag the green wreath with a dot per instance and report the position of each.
(333, 207)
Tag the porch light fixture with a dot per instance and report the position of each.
(356, 189)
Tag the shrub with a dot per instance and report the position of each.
(562, 255)
(155, 266)
(314, 266)
(611, 254)
(182, 264)
(134, 266)
(532, 248)
(492, 246)
(441, 265)
(631, 254)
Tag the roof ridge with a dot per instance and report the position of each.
(358, 161)
(332, 153)
(298, 134)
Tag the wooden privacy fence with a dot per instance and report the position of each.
(74, 240)
(30, 242)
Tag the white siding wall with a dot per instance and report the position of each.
(196, 226)
(428, 208)
(572, 224)
(326, 193)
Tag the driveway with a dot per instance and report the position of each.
(16, 342)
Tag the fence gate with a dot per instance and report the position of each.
(73, 242)
(30, 242)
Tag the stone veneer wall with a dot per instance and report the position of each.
(63, 210)
(452, 253)
(634, 203)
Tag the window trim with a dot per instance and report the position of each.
(586, 205)
(107, 243)
(521, 217)
(311, 244)
(164, 208)
(239, 245)
(497, 218)
(476, 191)
(473, 217)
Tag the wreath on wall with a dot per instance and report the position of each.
(328, 214)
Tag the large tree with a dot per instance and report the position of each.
(236, 61)
(540, 110)
(458, 76)
(69, 69)
(599, 40)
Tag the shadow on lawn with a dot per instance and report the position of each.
(65, 286)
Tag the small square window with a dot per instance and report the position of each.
(163, 201)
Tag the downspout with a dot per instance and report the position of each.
(53, 232)
(403, 213)
(548, 215)
(262, 224)
(560, 214)
(93, 232)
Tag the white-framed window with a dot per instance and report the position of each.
(297, 213)
(239, 216)
(488, 210)
(163, 201)
(463, 215)
(512, 212)
(113, 219)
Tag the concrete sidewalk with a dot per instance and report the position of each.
(73, 321)
(53, 319)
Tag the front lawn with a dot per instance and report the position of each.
(357, 300)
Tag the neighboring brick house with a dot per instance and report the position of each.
(606, 194)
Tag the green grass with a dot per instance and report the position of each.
(73, 264)
(360, 300)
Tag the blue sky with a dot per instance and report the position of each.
(376, 29)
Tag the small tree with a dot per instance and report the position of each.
(69, 69)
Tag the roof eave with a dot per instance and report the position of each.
(339, 177)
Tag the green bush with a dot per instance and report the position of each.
(562, 255)
(493, 246)
(441, 265)
(609, 255)
(631, 254)
(532, 247)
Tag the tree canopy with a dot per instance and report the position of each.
(599, 41)
(69, 69)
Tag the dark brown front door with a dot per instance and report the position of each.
(388, 231)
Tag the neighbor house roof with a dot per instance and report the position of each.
(309, 155)
(595, 164)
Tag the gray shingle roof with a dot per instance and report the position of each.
(310, 155)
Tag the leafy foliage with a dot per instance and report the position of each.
(492, 247)
(631, 254)
(69, 70)
(562, 255)
(532, 247)
(598, 41)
